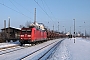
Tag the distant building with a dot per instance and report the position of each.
(11, 33)
(38, 25)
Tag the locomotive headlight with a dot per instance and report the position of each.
(22, 35)
(21, 38)
(29, 35)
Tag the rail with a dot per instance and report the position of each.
(41, 57)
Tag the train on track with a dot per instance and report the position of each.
(37, 33)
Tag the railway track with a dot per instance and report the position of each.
(49, 52)
(44, 55)
(10, 49)
(2, 48)
(36, 52)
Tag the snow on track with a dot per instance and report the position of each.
(44, 53)
(68, 50)
(11, 49)
(4, 45)
(21, 53)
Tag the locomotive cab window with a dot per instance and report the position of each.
(29, 31)
(23, 31)
(26, 31)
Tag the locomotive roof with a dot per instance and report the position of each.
(32, 27)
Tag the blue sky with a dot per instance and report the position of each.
(62, 11)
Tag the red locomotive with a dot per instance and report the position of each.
(36, 32)
(32, 35)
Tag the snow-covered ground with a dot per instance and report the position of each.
(68, 50)
(3, 45)
(17, 55)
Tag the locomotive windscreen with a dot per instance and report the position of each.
(26, 31)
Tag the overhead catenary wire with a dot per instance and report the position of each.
(22, 6)
(43, 10)
(15, 6)
(15, 10)
(49, 9)
(43, 5)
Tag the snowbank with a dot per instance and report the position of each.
(8, 44)
(68, 50)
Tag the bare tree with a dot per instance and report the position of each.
(27, 24)
(21, 26)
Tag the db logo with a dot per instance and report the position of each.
(25, 35)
